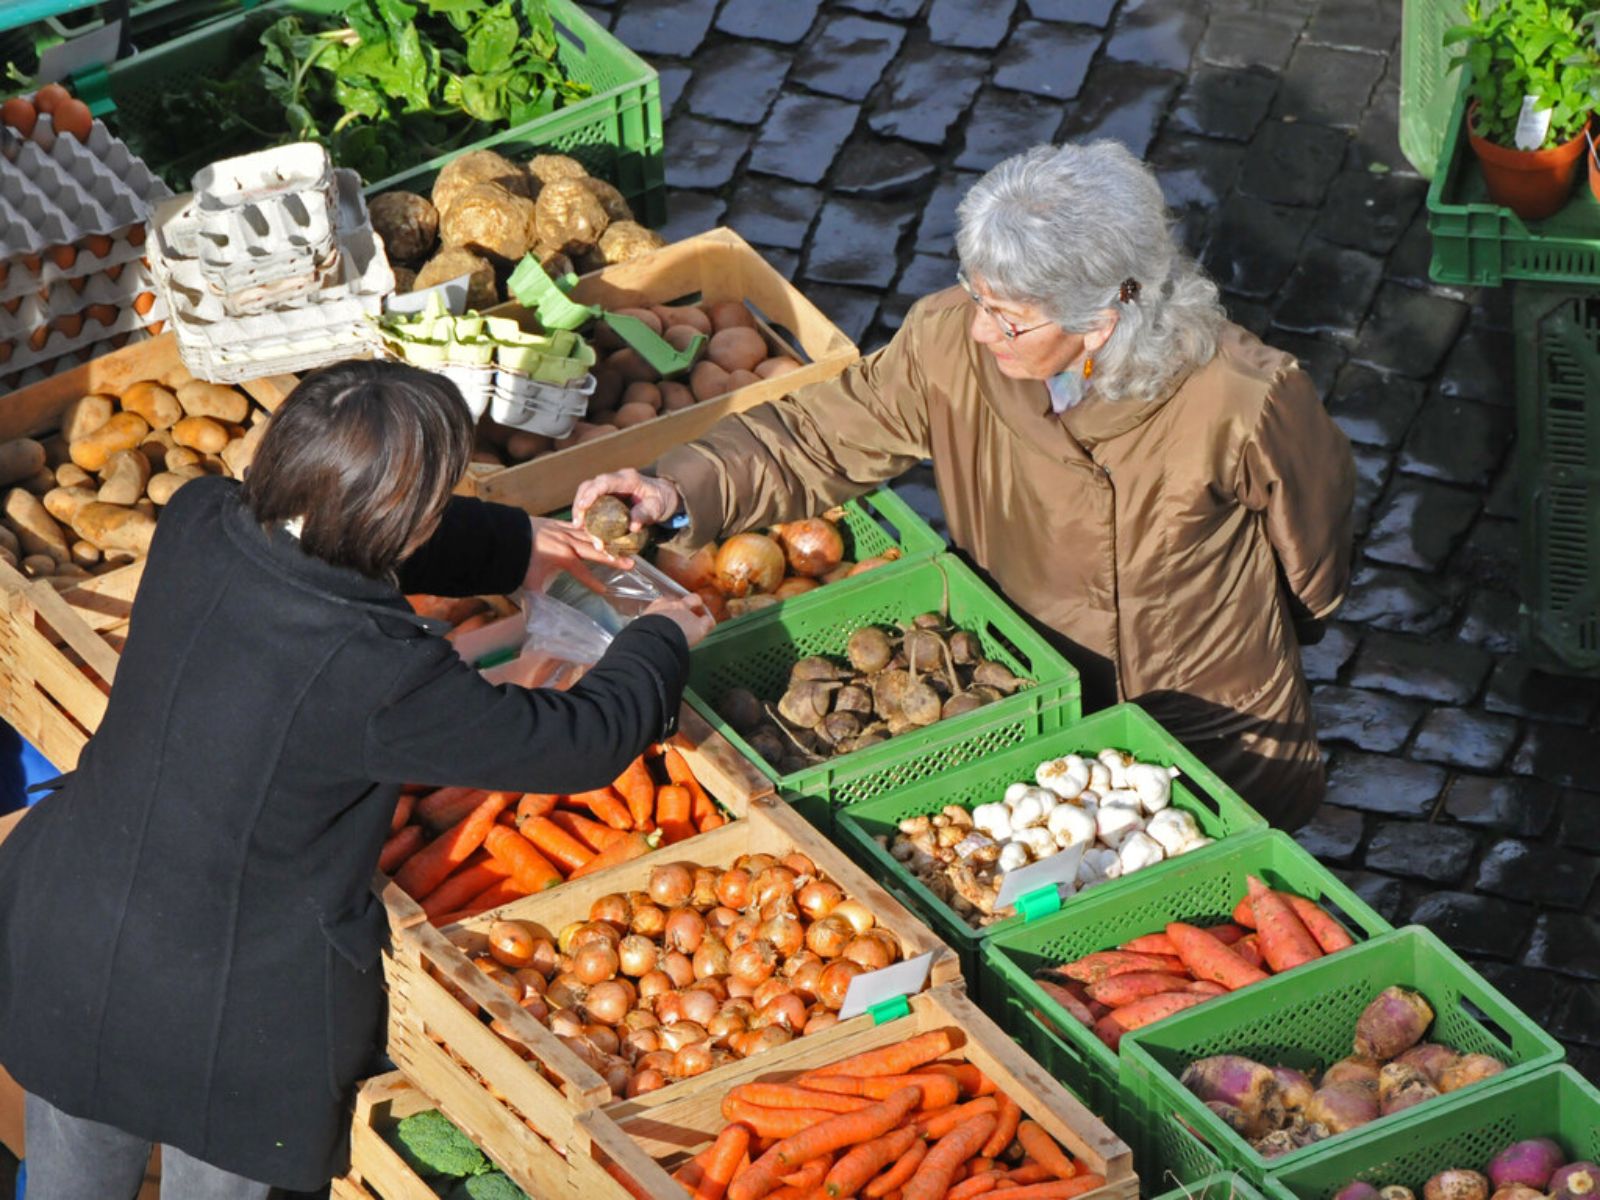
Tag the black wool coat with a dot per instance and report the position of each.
(188, 943)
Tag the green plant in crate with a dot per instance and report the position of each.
(1529, 51)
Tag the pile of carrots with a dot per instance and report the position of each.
(1154, 976)
(461, 851)
(896, 1123)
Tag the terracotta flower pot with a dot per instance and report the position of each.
(1534, 184)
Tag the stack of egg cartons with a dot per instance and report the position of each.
(73, 281)
(271, 265)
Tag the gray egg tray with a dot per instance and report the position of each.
(64, 297)
(58, 344)
(19, 378)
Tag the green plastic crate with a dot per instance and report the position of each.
(1483, 244)
(758, 652)
(1306, 1019)
(1225, 1185)
(1200, 888)
(1558, 475)
(1465, 1130)
(1217, 809)
(615, 133)
(1426, 90)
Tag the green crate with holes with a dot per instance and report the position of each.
(1224, 1185)
(1217, 809)
(757, 653)
(1464, 1130)
(1200, 889)
(1306, 1019)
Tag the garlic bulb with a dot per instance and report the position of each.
(1115, 824)
(1015, 792)
(1122, 798)
(1174, 829)
(1036, 838)
(994, 820)
(1012, 856)
(1153, 784)
(1066, 777)
(1096, 866)
(1070, 825)
(1117, 763)
(1027, 811)
(1140, 850)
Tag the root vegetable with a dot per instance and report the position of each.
(708, 380)
(1396, 1192)
(736, 348)
(748, 562)
(36, 530)
(1531, 1162)
(126, 473)
(197, 433)
(1456, 1184)
(214, 400)
(1575, 1181)
(813, 546)
(1467, 1070)
(1232, 1079)
(20, 458)
(568, 216)
(1342, 1106)
(1517, 1191)
(1294, 1087)
(474, 167)
(407, 223)
(454, 261)
(1392, 1023)
(625, 240)
(156, 404)
(86, 414)
(123, 431)
(1355, 1069)
(1430, 1058)
(1356, 1191)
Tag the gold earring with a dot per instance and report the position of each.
(1088, 367)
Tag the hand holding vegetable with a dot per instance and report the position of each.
(650, 500)
(558, 547)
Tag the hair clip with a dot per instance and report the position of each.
(1129, 291)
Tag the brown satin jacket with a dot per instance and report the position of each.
(1170, 547)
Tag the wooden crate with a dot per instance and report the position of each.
(375, 1169)
(715, 266)
(503, 1101)
(648, 1138)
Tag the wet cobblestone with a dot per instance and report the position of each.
(1378, 784)
(1458, 737)
(1473, 924)
(1435, 853)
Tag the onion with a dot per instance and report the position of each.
(656, 1060)
(796, 586)
(617, 1077)
(785, 933)
(533, 983)
(741, 933)
(756, 863)
(654, 983)
(797, 961)
(668, 1007)
(613, 909)
(828, 937)
(799, 863)
(543, 958)
(649, 920)
(640, 1041)
(719, 918)
(670, 885)
(818, 1020)
(645, 1081)
(725, 1024)
(686, 929)
(565, 934)
(678, 967)
(511, 943)
(566, 990)
(769, 991)
(716, 986)
(857, 914)
(603, 1036)
(739, 989)
(835, 981)
(754, 963)
(699, 1006)
(772, 884)
(566, 1023)
(711, 958)
(733, 889)
(769, 1038)
(748, 562)
(684, 1033)
(787, 1010)
(637, 956)
(779, 905)
(536, 1007)
(595, 962)
(704, 893)
(693, 1059)
(812, 546)
(819, 898)
(868, 951)
(689, 571)
(639, 1018)
(808, 979)
(501, 978)
(594, 931)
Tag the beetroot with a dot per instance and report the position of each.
(1393, 1023)
(1342, 1106)
(1356, 1191)
(1575, 1181)
(1456, 1185)
(1531, 1162)
(1430, 1058)
(1469, 1069)
(1294, 1088)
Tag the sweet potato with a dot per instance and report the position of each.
(1136, 985)
(1103, 964)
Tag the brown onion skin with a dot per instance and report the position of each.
(649, 920)
(772, 884)
(787, 935)
(740, 933)
(654, 983)
(683, 1033)
(704, 894)
(733, 889)
(717, 985)
(533, 983)
(593, 931)
(671, 885)
(693, 1059)
(757, 863)
(614, 910)
(719, 918)
(686, 928)
(754, 963)
(817, 1021)
(656, 1060)
(748, 562)
(798, 960)
(828, 937)
(536, 1007)
(511, 943)
(808, 979)
(646, 1081)
(608, 1003)
(800, 864)
(604, 1037)
(738, 989)
(787, 1010)
(543, 958)
(699, 1005)
(711, 959)
(835, 981)
(679, 967)
(770, 990)
(856, 914)
(637, 956)
(818, 898)
(595, 962)
(867, 951)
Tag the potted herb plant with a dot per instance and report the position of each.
(1531, 76)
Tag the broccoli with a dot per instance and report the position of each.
(492, 1186)
(431, 1145)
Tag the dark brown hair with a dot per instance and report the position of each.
(367, 454)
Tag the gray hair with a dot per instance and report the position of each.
(1062, 228)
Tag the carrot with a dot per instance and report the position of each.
(531, 870)
(1243, 914)
(1249, 949)
(784, 1095)
(693, 1173)
(857, 1167)
(1151, 943)
(632, 846)
(1208, 958)
(1060, 1189)
(453, 609)
(427, 868)
(898, 1059)
(1031, 1171)
(711, 821)
(1069, 999)
(535, 804)
(556, 844)
(1152, 1008)
(402, 812)
(773, 1122)
(680, 773)
(492, 896)
(897, 1174)
(731, 1145)
(1136, 985)
(972, 1081)
(809, 1177)
(1227, 933)
(399, 847)
(977, 1166)
(440, 809)
(936, 1124)
(638, 789)
(467, 626)
(1329, 934)
(1285, 941)
(1103, 964)
(591, 833)
(938, 1170)
(1010, 1116)
(673, 805)
(845, 1129)
(975, 1185)
(471, 878)
(938, 1090)
(1041, 1147)
(627, 1182)
(606, 805)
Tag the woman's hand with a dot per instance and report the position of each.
(687, 612)
(558, 547)
(650, 500)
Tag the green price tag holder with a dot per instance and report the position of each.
(891, 1009)
(1040, 902)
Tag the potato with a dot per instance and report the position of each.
(214, 400)
(490, 219)
(161, 438)
(642, 314)
(63, 503)
(146, 506)
(212, 464)
(583, 431)
(113, 527)
(632, 367)
(707, 380)
(568, 217)
(729, 314)
(680, 337)
(37, 566)
(736, 348)
(455, 261)
(407, 223)
(630, 415)
(161, 487)
(522, 445)
(478, 166)
(41, 481)
(36, 530)
(239, 453)
(180, 456)
(200, 433)
(156, 404)
(623, 241)
(547, 168)
(608, 385)
(642, 393)
(675, 396)
(739, 379)
(612, 201)
(19, 459)
(86, 414)
(72, 475)
(684, 314)
(780, 364)
(85, 554)
(123, 431)
(126, 472)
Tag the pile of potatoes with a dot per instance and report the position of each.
(84, 500)
(486, 212)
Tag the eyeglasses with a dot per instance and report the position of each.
(1009, 329)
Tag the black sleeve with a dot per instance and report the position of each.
(479, 549)
(443, 725)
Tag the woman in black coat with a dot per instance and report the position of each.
(188, 944)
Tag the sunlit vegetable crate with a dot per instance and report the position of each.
(376, 1169)
(760, 650)
(477, 1077)
(1306, 1019)
(615, 132)
(1225, 1185)
(1463, 1130)
(1217, 809)
(1200, 888)
(647, 1138)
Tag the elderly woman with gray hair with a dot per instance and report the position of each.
(1156, 488)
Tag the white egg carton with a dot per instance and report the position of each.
(58, 191)
(20, 315)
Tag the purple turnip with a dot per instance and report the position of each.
(1342, 1106)
(1356, 1191)
(1393, 1023)
(1394, 1076)
(1293, 1087)
(1232, 1117)
(1469, 1069)
(1456, 1185)
(1575, 1181)
(1517, 1191)
(1406, 1097)
(1237, 1081)
(1276, 1144)
(1430, 1058)
(1531, 1162)
(1355, 1069)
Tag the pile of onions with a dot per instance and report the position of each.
(703, 966)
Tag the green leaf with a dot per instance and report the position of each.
(492, 40)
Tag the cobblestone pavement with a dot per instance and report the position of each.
(837, 135)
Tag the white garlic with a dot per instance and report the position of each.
(1174, 829)
(1153, 783)
(1117, 763)
(1036, 838)
(1196, 844)
(1099, 776)
(1096, 866)
(1012, 856)
(1115, 824)
(1071, 826)
(1027, 811)
(1066, 777)
(1122, 798)
(994, 820)
(1015, 792)
(1139, 851)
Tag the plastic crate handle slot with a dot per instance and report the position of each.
(1201, 800)
(566, 34)
(992, 635)
(1490, 1026)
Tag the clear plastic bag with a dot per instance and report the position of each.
(627, 593)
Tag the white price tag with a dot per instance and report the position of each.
(1061, 867)
(454, 292)
(902, 979)
(1533, 124)
(80, 53)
